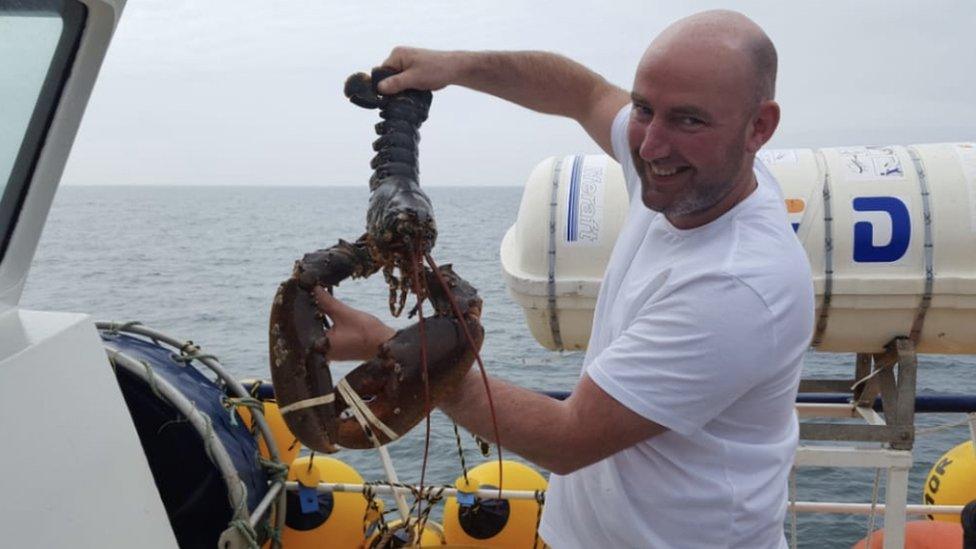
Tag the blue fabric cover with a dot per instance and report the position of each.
(191, 487)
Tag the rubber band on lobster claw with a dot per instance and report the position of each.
(388, 387)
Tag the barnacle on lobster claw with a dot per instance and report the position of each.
(385, 392)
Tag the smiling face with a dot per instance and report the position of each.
(693, 127)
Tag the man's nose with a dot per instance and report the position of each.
(656, 143)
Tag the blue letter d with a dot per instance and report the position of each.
(901, 230)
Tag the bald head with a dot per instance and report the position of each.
(702, 107)
(724, 36)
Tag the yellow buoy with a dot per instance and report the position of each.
(332, 520)
(286, 442)
(433, 533)
(494, 522)
(952, 480)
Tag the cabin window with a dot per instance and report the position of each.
(39, 39)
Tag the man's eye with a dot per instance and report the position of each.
(690, 121)
(642, 111)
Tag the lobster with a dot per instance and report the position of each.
(386, 396)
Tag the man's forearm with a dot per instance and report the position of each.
(530, 423)
(544, 82)
(541, 81)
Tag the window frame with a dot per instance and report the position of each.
(74, 16)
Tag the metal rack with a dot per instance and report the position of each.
(890, 375)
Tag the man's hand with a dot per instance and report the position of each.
(354, 335)
(420, 69)
(541, 81)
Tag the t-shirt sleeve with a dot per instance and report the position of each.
(621, 151)
(690, 354)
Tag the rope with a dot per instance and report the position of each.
(278, 473)
(241, 523)
(151, 379)
(208, 435)
(457, 437)
(250, 402)
(874, 504)
(115, 329)
(187, 358)
(417, 500)
(405, 486)
(371, 504)
(190, 351)
(277, 470)
(177, 421)
(231, 403)
(433, 496)
(540, 498)
(248, 533)
(945, 427)
(273, 533)
(793, 519)
(864, 379)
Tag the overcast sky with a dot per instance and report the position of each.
(222, 92)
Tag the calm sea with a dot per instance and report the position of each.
(203, 263)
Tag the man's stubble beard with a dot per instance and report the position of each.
(704, 195)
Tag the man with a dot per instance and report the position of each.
(681, 430)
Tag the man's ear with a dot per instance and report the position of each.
(763, 126)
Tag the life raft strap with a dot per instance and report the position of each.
(926, 300)
(821, 325)
(557, 338)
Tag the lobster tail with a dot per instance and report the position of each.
(400, 216)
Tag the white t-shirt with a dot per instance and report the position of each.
(702, 331)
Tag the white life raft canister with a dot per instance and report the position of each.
(890, 233)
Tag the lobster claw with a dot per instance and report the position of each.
(382, 398)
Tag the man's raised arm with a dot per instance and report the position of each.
(541, 81)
